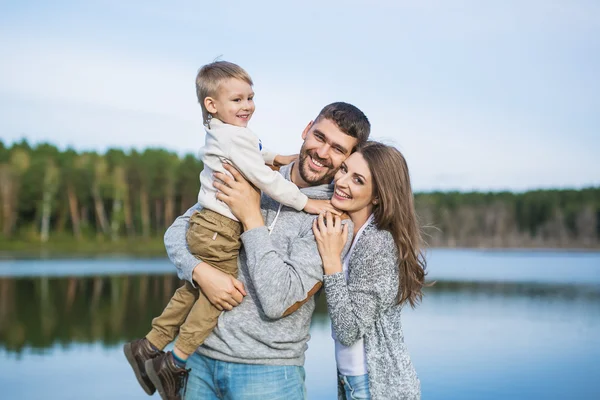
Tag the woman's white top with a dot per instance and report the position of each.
(351, 360)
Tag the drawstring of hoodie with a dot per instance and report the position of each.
(272, 226)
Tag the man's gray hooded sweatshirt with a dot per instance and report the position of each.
(279, 265)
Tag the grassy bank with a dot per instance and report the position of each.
(154, 247)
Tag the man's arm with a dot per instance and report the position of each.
(279, 282)
(283, 284)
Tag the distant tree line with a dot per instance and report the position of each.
(46, 192)
(540, 218)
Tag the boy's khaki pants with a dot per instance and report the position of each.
(214, 239)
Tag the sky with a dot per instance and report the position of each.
(492, 95)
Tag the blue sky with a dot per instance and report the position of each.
(477, 95)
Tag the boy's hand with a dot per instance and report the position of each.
(280, 160)
(221, 289)
(320, 206)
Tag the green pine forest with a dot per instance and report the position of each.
(69, 202)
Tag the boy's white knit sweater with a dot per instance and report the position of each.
(241, 148)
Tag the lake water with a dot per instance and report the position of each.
(497, 325)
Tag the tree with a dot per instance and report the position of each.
(51, 182)
(121, 211)
(10, 185)
(100, 173)
(71, 174)
(188, 182)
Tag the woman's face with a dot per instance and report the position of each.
(353, 185)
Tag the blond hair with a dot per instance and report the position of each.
(211, 76)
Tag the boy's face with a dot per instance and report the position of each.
(324, 149)
(233, 104)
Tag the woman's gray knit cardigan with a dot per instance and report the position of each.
(366, 306)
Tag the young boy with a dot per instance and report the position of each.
(225, 94)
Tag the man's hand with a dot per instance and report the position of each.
(221, 289)
(242, 198)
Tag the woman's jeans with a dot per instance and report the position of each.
(212, 379)
(355, 387)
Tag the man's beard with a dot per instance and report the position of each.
(305, 172)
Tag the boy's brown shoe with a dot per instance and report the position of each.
(167, 377)
(138, 352)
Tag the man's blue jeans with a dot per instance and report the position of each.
(212, 379)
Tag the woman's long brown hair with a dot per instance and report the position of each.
(395, 212)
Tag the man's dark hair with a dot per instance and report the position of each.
(349, 119)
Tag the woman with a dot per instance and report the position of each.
(383, 270)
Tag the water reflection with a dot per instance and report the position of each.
(516, 289)
(41, 312)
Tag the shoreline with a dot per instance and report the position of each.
(154, 248)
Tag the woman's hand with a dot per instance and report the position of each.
(331, 238)
(242, 198)
(221, 289)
